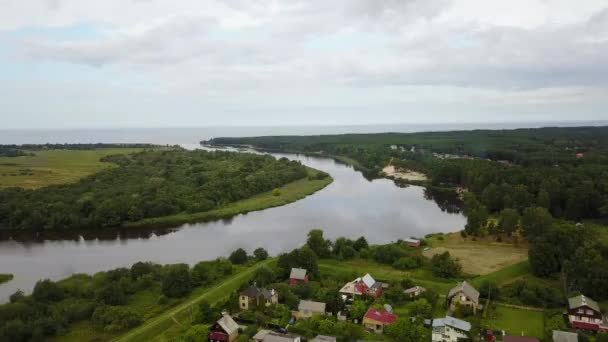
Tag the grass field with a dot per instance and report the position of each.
(5, 278)
(53, 167)
(289, 193)
(478, 257)
(515, 321)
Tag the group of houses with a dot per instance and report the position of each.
(583, 313)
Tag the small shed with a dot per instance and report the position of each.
(298, 276)
(224, 330)
(412, 242)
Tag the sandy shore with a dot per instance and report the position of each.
(404, 174)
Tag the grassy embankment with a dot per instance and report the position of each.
(288, 193)
(5, 278)
(161, 320)
(52, 167)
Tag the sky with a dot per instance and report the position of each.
(187, 63)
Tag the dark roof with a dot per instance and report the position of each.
(255, 292)
(578, 301)
(467, 289)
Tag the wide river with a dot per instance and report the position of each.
(351, 206)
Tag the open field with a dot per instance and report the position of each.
(53, 167)
(289, 193)
(5, 277)
(515, 321)
(478, 257)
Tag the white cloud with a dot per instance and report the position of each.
(223, 54)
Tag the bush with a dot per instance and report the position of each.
(444, 266)
(408, 263)
(47, 291)
(276, 192)
(196, 333)
(141, 268)
(112, 294)
(115, 318)
(238, 257)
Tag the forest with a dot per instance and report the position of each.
(148, 184)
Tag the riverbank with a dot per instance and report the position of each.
(5, 278)
(289, 193)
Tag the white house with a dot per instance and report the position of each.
(449, 329)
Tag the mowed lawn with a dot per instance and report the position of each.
(51, 167)
(515, 321)
(478, 257)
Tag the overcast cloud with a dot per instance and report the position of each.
(118, 63)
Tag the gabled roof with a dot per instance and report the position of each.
(578, 301)
(271, 336)
(562, 336)
(255, 292)
(467, 289)
(452, 322)
(308, 305)
(411, 240)
(415, 289)
(228, 324)
(298, 273)
(368, 280)
(380, 316)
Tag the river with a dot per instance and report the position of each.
(351, 206)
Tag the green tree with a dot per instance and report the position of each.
(196, 333)
(263, 276)
(492, 198)
(543, 199)
(360, 243)
(420, 308)
(176, 281)
(47, 291)
(508, 221)
(112, 294)
(260, 254)
(444, 266)
(238, 257)
(404, 330)
(358, 309)
(317, 243)
(476, 221)
(535, 221)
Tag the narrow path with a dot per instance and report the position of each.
(154, 327)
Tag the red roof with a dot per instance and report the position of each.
(380, 316)
(585, 326)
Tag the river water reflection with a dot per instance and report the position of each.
(351, 206)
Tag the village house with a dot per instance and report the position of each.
(365, 285)
(308, 308)
(464, 294)
(273, 336)
(298, 276)
(450, 329)
(414, 291)
(563, 336)
(257, 296)
(584, 313)
(376, 320)
(224, 330)
(412, 242)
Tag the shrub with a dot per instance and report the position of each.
(276, 192)
(408, 263)
(47, 291)
(115, 318)
(176, 281)
(444, 266)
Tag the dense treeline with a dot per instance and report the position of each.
(104, 299)
(145, 185)
(12, 151)
(522, 146)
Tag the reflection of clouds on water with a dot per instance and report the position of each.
(351, 206)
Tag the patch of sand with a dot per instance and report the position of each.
(404, 174)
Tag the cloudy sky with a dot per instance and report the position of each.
(158, 63)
